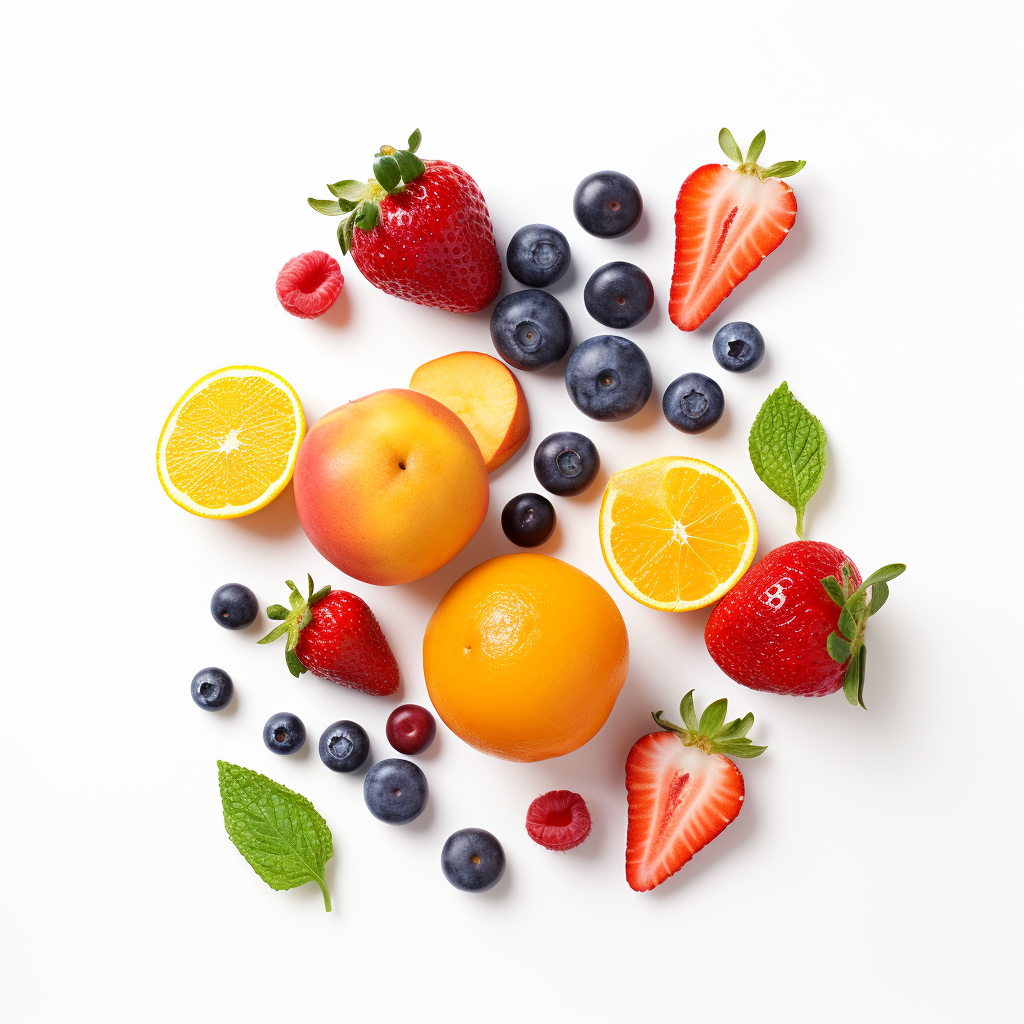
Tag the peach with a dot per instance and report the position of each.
(484, 393)
(390, 487)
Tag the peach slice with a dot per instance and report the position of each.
(484, 393)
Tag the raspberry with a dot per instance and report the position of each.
(309, 284)
(558, 820)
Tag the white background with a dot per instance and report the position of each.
(156, 164)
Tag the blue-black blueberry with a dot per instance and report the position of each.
(284, 733)
(738, 347)
(530, 329)
(528, 519)
(212, 689)
(693, 403)
(608, 378)
(472, 860)
(344, 746)
(234, 606)
(538, 255)
(566, 463)
(395, 791)
(619, 295)
(607, 204)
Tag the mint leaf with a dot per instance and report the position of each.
(277, 831)
(787, 449)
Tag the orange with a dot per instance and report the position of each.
(676, 533)
(524, 657)
(229, 446)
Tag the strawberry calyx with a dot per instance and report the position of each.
(393, 169)
(857, 606)
(749, 165)
(296, 619)
(712, 734)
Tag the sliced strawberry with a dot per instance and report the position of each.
(727, 221)
(682, 790)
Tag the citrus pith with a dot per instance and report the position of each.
(676, 533)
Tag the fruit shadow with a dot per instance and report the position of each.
(651, 322)
(639, 233)
(339, 314)
(279, 519)
(425, 822)
(566, 283)
(646, 417)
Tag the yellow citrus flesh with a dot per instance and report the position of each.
(676, 533)
(228, 447)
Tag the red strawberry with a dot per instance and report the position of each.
(558, 820)
(334, 635)
(727, 221)
(309, 284)
(795, 622)
(419, 230)
(682, 789)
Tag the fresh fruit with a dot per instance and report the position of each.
(538, 255)
(676, 533)
(682, 790)
(558, 820)
(566, 463)
(619, 295)
(738, 347)
(234, 606)
(530, 329)
(390, 487)
(229, 446)
(608, 378)
(484, 393)
(607, 204)
(334, 635)
(410, 729)
(309, 284)
(693, 403)
(395, 791)
(212, 689)
(795, 623)
(727, 221)
(524, 657)
(284, 733)
(344, 746)
(418, 230)
(472, 860)
(277, 831)
(528, 519)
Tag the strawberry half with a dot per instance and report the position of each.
(682, 789)
(418, 230)
(334, 635)
(727, 221)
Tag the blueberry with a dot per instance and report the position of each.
(607, 204)
(608, 378)
(234, 606)
(528, 520)
(566, 463)
(693, 403)
(284, 733)
(395, 791)
(472, 860)
(212, 689)
(738, 347)
(344, 746)
(538, 255)
(619, 295)
(530, 329)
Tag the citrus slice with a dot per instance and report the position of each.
(228, 447)
(676, 533)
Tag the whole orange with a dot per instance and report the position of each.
(524, 657)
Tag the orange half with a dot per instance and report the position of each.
(676, 533)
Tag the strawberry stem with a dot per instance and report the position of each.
(712, 734)
(783, 169)
(296, 619)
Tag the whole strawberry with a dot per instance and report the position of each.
(334, 635)
(418, 230)
(795, 622)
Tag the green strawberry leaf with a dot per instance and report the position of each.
(853, 685)
(832, 588)
(291, 659)
(736, 729)
(884, 575)
(879, 595)
(414, 141)
(689, 715)
(345, 234)
(328, 207)
(739, 748)
(277, 631)
(278, 832)
(411, 166)
(847, 623)
(387, 172)
(353, 191)
(366, 216)
(784, 169)
(713, 717)
(729, 147)
(277, 611)
(755, 147)
(787, 449)
(838, 647)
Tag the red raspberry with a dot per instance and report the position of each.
(309, 284)
(558, 820)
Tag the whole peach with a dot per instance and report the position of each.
(390, 487)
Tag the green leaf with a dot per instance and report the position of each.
(345, 235)
(291, 659)
(787, 449)
(687, 712)
(414, 141)
(277, 631)
(736, 729)
(366, 216)
(879, 595)
(834, 590)
(328, 207)
(838, 647)
(354, 191)
(884, 575)
(713, 717)
(387, 172)
(278, 832)
(739, 748)
(755, 147)
(277, 611)
(851, 685)
(847, 623)
(729, 147)
(784, 169)
(307, 618)
(411, 166)
(319, 595)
